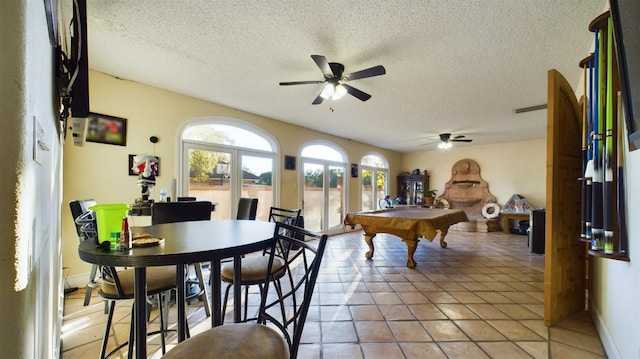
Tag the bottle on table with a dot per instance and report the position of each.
(125, 235)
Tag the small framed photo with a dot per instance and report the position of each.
(133, 173)
(106, 129)
(289, 162)
(354, 170)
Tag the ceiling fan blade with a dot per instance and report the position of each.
(318, 100)
(363, 96)
(461, 140)
(300, 83)
(323, 64)
(370, 72)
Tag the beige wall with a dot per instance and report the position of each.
(30, 264)
(100, 171)
(509, 168)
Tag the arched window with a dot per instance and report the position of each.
(374, 183)
(225, 159)
(323, 175)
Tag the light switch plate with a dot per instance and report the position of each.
(40, 145)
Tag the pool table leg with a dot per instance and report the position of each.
(369, 239)
(443, 233)
(412, 244)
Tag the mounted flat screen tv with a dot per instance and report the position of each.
(625, 16)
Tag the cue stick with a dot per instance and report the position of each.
(596, 199)
(608, 207)
(588, 172)
(585, 149)
(622, 208)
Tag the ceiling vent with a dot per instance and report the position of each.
(529, 109)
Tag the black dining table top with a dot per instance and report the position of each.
(185, 242)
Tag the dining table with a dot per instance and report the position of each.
(180, 244)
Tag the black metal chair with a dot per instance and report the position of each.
(283, 309)
(78, 208)
(254, 267)
(119, 285)
(170, 212)
(183, 211)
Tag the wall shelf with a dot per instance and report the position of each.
(619, 257)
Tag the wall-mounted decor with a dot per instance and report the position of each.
(289, 162)
(132, 172)
(354, 170)
(107, 129)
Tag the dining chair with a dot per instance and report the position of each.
(118, 285)
(283, 309)
(78, 208)
(254, 267)
(247, 208)
(183, 211)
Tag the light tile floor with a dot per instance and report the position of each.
(482, 297)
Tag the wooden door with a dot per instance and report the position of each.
(564, 274)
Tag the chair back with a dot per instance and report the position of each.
(286, 306)
(170, 212)
(88, 221)
(283, 215)
(247, 208)
(186, 199)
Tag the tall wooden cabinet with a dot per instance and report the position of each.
(410, 188)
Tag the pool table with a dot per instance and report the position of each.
(408, 223)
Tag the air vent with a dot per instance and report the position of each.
(529, 109)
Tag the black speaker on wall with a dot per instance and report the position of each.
(79, 56)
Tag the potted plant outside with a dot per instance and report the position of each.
(429, 197)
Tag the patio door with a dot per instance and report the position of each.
(223, 175)
(323, 195)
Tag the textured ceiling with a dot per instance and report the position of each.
(452, 66)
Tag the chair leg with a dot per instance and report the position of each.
(246, 301)
(131, 333)
(105, 339)
(167, 299)
(224, 302)
(203, 287)
(162, 322)
(92, 283)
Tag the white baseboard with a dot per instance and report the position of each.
(77, 281)
(608, 343)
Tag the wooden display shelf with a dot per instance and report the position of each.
(616, 256)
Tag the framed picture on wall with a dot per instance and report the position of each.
(354, 170)
(133, 173)
(106, 129)
(289, 162)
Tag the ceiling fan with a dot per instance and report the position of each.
(335, 78)
(446, 139)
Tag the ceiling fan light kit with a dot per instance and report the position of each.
(446, 139)
(333, 92)
(334, 78)
(444, 145)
